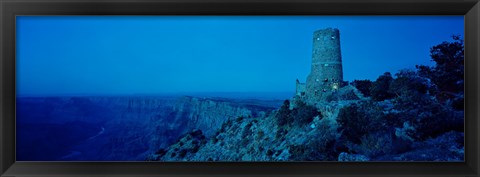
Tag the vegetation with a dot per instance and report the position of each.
(380, 88)
(303, 114)
(283, 114)
(300, 115)
(414, 114)
(357, 120)
(363, 86)
(408, 109)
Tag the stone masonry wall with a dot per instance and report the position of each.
(326, 72)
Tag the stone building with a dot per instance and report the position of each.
(300, 89)
(326, 75)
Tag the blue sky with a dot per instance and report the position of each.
(61, 55)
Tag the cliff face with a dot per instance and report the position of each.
(120, 128)
(207, 115)
(253, 139)
(350, 127)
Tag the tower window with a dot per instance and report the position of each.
(318, 38)
(333, 37)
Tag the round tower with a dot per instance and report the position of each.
(326, 74)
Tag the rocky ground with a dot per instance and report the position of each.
(261, 138)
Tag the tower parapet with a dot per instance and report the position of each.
(300, 88)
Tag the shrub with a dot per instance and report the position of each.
(195, 149)
(380, 88)
(358, 120)
(319, 147)
(239, 119)
(408, 82)
(161, 152)
(246, 131)
(182, 153)
(305, 153)
(281, 133)
(363, 86)
(316, 150)
(226, 125)
(303, 114)
(269, 152)
(260, 135)
(245, 142)
(214, 140)
(375, 144)
(283, 114)
(429, 117)
(348, 95)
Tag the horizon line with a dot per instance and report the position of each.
(158, 94)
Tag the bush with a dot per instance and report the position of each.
(303, 114)
(260, 135)
(214, 140)
(281, 133)
(161, 152)
(348, 95)
(246, 131)
(299, 116)
(182, 153)
(357, 120)
(226, 124)
(239, 119)
(306, 153)
(375, 144)
(320, 149)
(429, 117)
(380, 89)
(363, 86)
(408, 82)
(283, 114)
(269, 152)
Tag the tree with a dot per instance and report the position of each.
(283, 114)
(363, 86)
(380, 88)
(448, 72)
(408, 82)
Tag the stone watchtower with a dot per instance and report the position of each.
(326, 73)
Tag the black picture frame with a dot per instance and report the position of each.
(12, 8)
